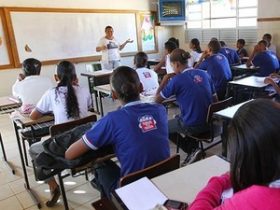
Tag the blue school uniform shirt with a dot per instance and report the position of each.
(231, 55)
(138, 132)
(267, 62)
(218, 68)
(194, 91)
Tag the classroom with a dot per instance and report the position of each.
(148, 104)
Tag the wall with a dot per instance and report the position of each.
(7, 77)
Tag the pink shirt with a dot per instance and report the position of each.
(254, 197)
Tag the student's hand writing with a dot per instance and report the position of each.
(268, 80)
(274, 75)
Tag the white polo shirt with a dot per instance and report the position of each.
(195, 56)
(54, 101)
(169, 68)
(30, 90)
(149, 80)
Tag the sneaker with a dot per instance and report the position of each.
(55, 195)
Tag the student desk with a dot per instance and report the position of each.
(20, 122)
(252, 84)
(106, 89)
(97, 78)
(7, 105)
(184, 183)
(226, 115)
(152, 62)
(243, 70)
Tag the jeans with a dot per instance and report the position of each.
(109, 65)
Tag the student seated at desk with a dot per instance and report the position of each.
(217, 66)
(30, 85)
(230, 54)
(194, 92)
(271, 47)
(137, 131)
(148, 77)
(195, 52)
(264, 59)
(67, 101)
(169, 46)
(241, 51)
(254, 162)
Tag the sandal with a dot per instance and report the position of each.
(55, 195)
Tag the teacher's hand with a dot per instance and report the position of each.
(129, 41)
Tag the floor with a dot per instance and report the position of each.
(13, 195)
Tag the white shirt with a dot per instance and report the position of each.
(54, 101)
(195, 56)
(30, 90)
(112, 52)
(272, 48)
(168, 66)
(149, 80)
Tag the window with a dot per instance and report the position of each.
(221, 13)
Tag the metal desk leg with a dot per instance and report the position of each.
(100, 103)
(26, 185)
(5, 157)
(224, 138)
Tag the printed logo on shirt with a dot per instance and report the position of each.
(219, 57)
(112, 45)
(197, 79)
(147, 74)
(147, 123)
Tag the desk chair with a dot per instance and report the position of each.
(63, 127)
(165, 166)
(215, 130)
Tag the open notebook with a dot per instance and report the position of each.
(140, 195)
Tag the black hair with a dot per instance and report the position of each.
(196, 44)
(214, 39)
(108, 27)
(126, 83)
(267, 36)
(180, 55)
(170, 46)
(223, 44)
(254, 144)
(67, 74)
(173, 39)
(215, 46)
(264, 42)
(31, 66)
(140, 59)
(241, 41)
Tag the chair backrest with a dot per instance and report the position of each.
(60, 128)
(218, 106)
(157, 169)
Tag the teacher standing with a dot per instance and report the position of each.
(110, 49)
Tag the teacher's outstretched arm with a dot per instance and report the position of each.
(125, 43)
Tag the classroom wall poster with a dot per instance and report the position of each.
(148, 32)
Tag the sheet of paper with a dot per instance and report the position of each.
(141, 195)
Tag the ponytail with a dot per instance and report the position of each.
(67, 74)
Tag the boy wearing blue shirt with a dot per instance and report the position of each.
(194, 93)
(264, 59)
(217, 66)
(138, 131)
(230, 54)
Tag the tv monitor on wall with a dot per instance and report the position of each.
(172, 11)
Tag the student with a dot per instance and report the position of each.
(230, 54)
(137, 131)
(110, 48)
(195, 52)
(264, 59)
(272, 80)
(194, 92)
(148, 77)
(254, 162)
(169, 46)
(176, 41)
(30, 86)
(217, 66)
(267, 37)
(241, 51)
(67, 101)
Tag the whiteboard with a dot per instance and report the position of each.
(56, 36)
(4, 55)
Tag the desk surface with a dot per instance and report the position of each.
(97, 73)
(244, 67)
(103, 88)
(7, 101)
(184, 183)
(25, 120)
(251, 81)
(230, 111)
